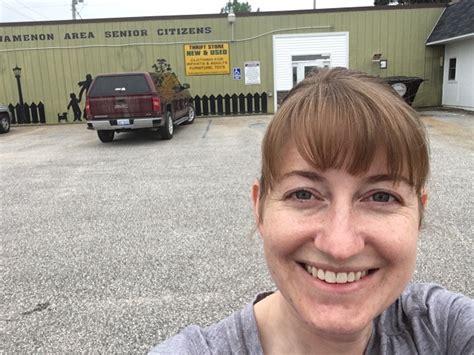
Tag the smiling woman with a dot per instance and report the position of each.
(338, 206)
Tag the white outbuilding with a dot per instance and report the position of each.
(455, 30)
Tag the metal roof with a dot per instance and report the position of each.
(456, 22)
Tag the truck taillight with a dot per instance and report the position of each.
(88, 108)
(156, 104)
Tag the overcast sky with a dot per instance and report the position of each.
(45, 10)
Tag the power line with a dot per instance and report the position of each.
(30, 9)
(74, 10)
(18, 12)
(24, 6)
(36, 4)
(82, 8)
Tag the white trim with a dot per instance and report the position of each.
(452, 39)
(347, 46)
(274, 82)
(325, 34)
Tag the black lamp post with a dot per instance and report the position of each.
(21, 112)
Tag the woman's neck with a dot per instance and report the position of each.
(282, 332)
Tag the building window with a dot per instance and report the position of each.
(452, 69)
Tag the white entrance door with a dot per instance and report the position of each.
(301, 68)
(294, 55)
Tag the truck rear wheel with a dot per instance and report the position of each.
(166, 131)
(106, 136)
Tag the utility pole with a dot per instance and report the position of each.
(314, 4)
(74, 11)
(74, 2)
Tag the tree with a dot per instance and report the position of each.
(236, 7)
(409, 2)
(161, 66)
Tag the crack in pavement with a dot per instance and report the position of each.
(39, 307)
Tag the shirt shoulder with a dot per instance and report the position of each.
(236, 334)
(428, 318)
(448, 316)
(189, 341)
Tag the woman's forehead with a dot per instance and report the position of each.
(292, 159)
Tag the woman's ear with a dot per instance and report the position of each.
(256, 201)
(424, 198)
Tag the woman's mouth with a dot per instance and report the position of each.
(335, 277)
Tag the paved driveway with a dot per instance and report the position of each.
(113, 247)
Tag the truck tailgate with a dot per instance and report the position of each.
(121, 106)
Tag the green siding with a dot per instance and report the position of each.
(52, 69)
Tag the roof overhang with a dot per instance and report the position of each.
(452, 39)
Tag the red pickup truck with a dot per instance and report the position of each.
(127, 101)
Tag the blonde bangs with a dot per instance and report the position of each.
(342, 119)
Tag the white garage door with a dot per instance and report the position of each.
(295, 55)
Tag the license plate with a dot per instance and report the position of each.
(123, 122)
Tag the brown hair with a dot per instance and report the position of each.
(339, 118)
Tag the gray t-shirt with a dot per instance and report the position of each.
(425, 319)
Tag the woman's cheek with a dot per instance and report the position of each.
(397, 241)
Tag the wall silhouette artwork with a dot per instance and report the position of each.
(74, 104)
(84, 85)
(74, 100)
(62, 117)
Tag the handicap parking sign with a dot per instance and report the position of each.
(237, 73)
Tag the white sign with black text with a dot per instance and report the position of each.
(252, 73)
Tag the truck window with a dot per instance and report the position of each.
(119, 85)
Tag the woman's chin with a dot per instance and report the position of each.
(336, 323)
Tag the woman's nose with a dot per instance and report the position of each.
(341, 235)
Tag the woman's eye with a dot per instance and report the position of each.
(382, 197)
(302, 195)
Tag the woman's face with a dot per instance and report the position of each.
(340, 248)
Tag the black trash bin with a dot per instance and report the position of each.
(406, 86)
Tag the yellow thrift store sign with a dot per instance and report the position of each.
(207, 59)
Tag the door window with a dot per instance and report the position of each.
(303, 65)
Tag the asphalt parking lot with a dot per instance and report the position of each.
(114, 247)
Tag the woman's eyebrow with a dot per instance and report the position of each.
(311, 175)
(386, 177)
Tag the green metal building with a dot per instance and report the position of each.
(263, 52)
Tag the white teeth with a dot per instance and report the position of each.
(332, 277)
(341, 277)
